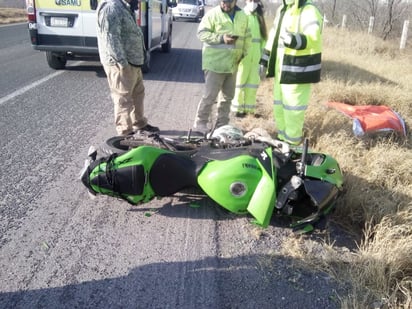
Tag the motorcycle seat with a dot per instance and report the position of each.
(171, 173)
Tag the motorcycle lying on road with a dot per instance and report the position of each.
(245, 174)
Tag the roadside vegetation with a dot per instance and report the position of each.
(376, 205)
(12, 15)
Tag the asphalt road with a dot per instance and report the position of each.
(61, 249)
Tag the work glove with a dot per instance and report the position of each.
(293, 40)
(262, 71)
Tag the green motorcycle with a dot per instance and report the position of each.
(257, 175)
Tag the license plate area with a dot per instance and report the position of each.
(59, 22)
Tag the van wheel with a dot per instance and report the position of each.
(167, 46)
(56, 61)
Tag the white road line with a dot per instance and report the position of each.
(28, 87)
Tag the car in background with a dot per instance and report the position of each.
(192, 10)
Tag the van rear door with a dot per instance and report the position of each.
(66, 25)
(155, 27)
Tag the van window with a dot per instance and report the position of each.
(194, 2)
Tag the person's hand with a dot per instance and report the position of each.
(229, 39)
(293, 40)
(287, 38)
(262, 71)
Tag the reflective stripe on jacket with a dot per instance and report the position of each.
(216, 55)
(303, 63)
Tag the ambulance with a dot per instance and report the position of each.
(66, 29)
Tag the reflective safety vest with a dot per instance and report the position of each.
(257, 43)
(216, 55)
(301, 64)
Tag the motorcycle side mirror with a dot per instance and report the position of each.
(92, 153)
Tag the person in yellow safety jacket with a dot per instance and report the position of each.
(293, 56)
(248, 78)
(225, 36)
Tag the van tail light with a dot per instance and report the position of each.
(31, 11)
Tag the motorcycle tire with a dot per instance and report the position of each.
(112, 145)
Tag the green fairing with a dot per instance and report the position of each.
(245, 171)
(330, 171)
(263, 201)
(143, 156)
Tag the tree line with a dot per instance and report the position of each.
(389, 16)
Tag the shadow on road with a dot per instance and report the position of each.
(194, 204)
(250, 281)
(180, 65)
(89, 67)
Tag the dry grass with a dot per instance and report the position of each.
(8, 15)
(376, 205)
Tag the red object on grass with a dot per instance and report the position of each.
(371, 118)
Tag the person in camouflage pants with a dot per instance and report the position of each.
(122, 53)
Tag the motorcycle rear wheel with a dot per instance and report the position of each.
(120, 145)
(113, 145)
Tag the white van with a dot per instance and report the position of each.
(66, 29)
